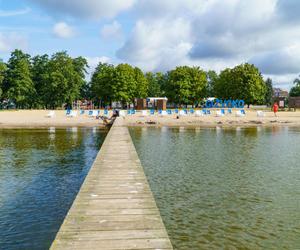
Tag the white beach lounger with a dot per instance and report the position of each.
(95, 113)
(122, 113)
(181, 112)
(73, 113)
(239, 113)
(51, 114)
(164, 112)
(260, 113)
(144, 112)
(219, 113)
(199, 113)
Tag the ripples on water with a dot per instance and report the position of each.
(41, 172)
(225, 189)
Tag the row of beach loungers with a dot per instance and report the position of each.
(182, 112)
(185, 112)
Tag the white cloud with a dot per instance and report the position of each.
(157, 44)
(112, 31)
(94, 61)
(8, 13)
(91, 9)
(63, 30)
(10, 41)
(216, 34)
(283, 61)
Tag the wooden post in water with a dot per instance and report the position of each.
(114, 208)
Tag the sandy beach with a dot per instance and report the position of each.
(38, 118)
(229, 120)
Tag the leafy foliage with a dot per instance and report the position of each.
(269, 91)
(154, 84)
(18, 85)
(295, 91)
(242, 82)
(43, 81)
(2, 74)
(186, 85)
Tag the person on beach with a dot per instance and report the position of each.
(275, 108)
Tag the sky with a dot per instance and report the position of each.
(158, 35)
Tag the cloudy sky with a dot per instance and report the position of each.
(160, 34)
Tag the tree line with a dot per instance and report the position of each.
(46, 81)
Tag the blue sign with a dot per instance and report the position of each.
(217, 103)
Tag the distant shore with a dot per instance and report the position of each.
(38, 119)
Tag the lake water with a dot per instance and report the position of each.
(41, 172)
(225, 189)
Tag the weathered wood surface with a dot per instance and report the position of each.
(114, 208)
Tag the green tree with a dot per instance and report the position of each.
(39, 71)
(2, 75)
(269, 91)
(80, 70)
(124, 84)
(142, 87)
(64, 80)
(212, 78)
(18, 85)
(242, 82)
(186, 85)
(102, 82)
(154, 84)
(295, 91)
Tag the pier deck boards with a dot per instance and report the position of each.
(114, 208)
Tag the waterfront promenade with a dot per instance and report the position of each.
(114, 208)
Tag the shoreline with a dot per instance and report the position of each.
(37, 119)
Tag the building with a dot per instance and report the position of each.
(278, 92)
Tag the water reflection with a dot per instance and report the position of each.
(40, 173)
(225, 188)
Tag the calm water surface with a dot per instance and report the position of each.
(41, 172)
(225, 189)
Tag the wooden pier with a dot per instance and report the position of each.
(114, 208)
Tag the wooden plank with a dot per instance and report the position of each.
(114, 208)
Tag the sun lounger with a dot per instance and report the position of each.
(122, 113)
(260, 113)
(95, 113)
(219, 113)
(198, 113)
(144, 112)
(239, 113)
(152, 112)
(164, 112)
(90, 113)
(182, 112)
(72, 113)
(206, 111)
(130, 112)
(176, 111)
(229, 111)
(81, 112)
(51, 114)
(169, 111)
(105, 111)
(192, 111)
